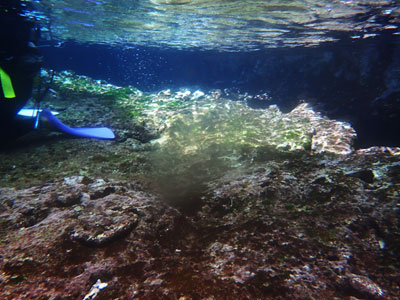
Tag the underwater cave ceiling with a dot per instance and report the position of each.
(218, 25)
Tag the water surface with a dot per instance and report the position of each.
(234, 25)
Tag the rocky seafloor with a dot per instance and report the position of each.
(199, 197)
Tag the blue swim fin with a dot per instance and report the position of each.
(96, 133)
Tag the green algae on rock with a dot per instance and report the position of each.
(267, 204)
(195, 137)
(207, 137)
(68, 80)
(193, 121)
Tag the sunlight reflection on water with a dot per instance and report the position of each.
(236, 25)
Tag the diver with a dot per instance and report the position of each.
(20, 63)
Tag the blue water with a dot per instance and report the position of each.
(340, 56)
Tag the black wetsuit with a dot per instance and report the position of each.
(21, 60)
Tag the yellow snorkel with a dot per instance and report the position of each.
(6, 84)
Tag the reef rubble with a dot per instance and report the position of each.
(298, 229)
(198, 198)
